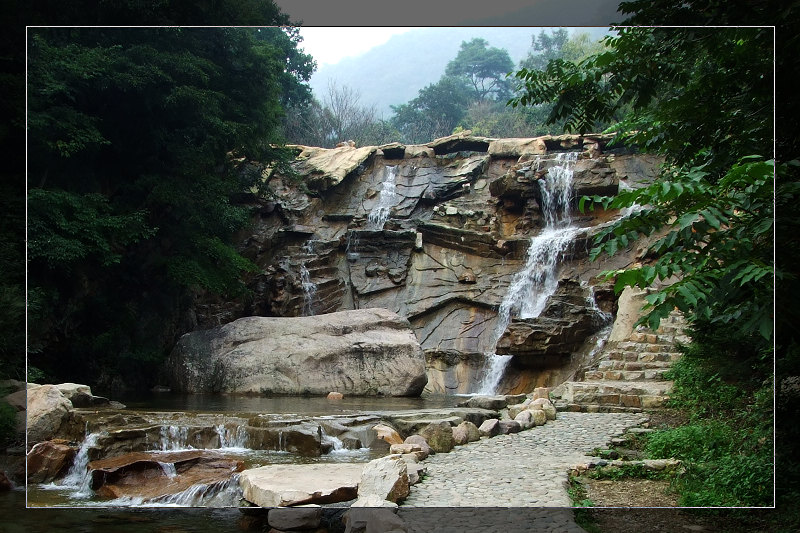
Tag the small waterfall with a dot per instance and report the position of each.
(222, 494)
(173, 438)
(78, 475)
(531, 287)
(232, 438)
(168, 469)
(335, 443)
(387, 199)
(309, 287)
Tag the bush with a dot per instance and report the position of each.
(8, 424)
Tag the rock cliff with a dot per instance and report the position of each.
(434, 233)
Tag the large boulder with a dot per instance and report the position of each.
(48, 409)
(359, 352)
(284, 485)
(386, 477)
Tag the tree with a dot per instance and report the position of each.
(133, 135)
(705, 104)
(435, 111)
(483, 68)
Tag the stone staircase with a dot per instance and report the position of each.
(628, 375)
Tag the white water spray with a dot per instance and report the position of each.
(531, 287)
(387, 199)
(78, 474)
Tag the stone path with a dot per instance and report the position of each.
(524, 470)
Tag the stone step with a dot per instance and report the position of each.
(642, 357)
(646, 394)
(608, 364)
(645, 346)
(626, 375)
(595, 408)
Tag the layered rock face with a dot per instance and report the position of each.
(360, 352)
(434, 233)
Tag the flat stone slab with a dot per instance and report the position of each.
(284, 485)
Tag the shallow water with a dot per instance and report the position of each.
(308, 406)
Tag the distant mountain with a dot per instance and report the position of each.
(393, 73)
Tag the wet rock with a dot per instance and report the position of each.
(48, 409)
(284, 485)
(360, 352)
(563, 326)
(439, 436)
(155, 475)
(49, 460)
(386, 477)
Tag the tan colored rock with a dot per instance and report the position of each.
(545, 405)
(335, 395)
(69, 390)
(386, 477)
(388, 434)
(47, 411)
(327, 168)
(539, 417)
(48, 460)
(525, 419)
(541, 392)
(470, 431)
(490, 427)
(359, 352)
(284, 485)
(629, 310)
(516, 147)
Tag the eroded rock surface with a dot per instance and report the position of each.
(285, 485)
(363, 352)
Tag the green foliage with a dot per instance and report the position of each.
(8, 424)
(723, 383)
(484, 68)
(435, 112)
(133, 138)
(702, 99)
(626, 471)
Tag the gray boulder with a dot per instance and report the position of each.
(360, 352)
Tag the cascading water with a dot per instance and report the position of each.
(309, 287)
(532, 286)
(78, 474)
(387, 199)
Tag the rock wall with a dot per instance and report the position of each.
(462, 214)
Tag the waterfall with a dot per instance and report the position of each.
(173, 438)
(221, 494)
(531, 287)
(309, 287)
(387, 199)
(78, 475)
(232, 438)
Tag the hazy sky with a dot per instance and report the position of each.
(330, 45)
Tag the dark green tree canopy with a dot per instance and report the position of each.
(484, 68)
(133, 135)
